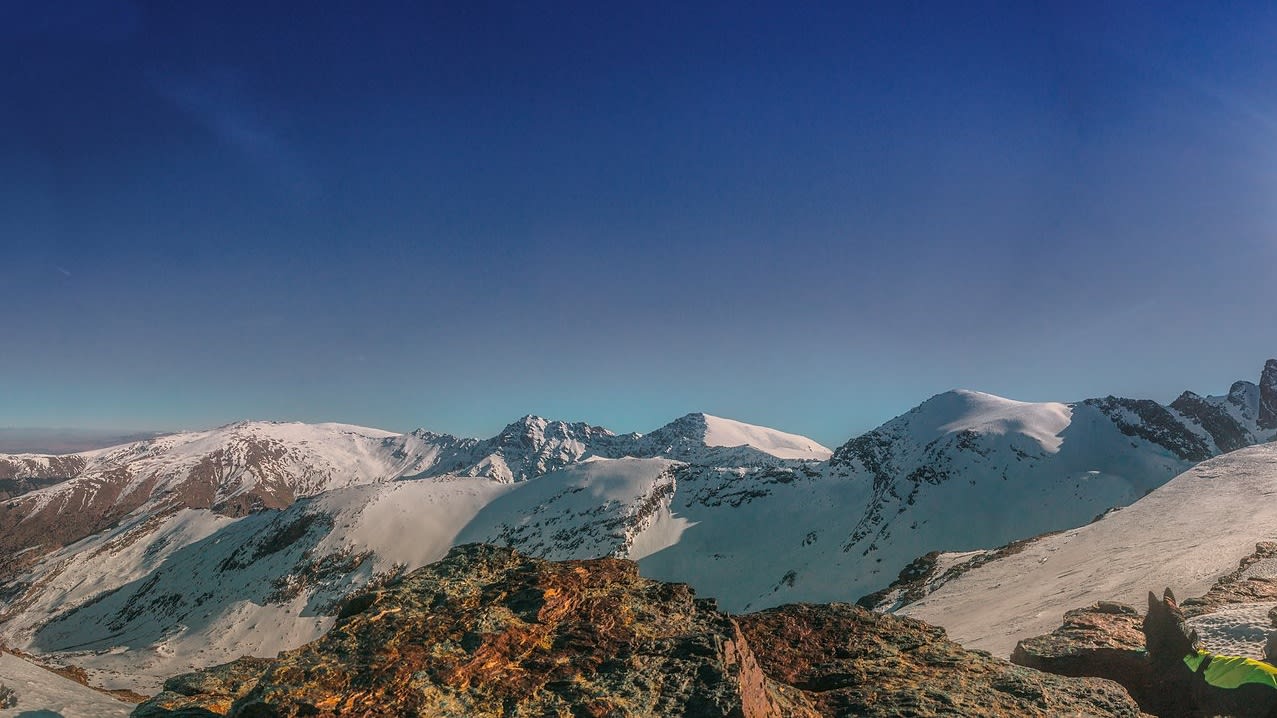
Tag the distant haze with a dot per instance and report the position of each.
(63, 441)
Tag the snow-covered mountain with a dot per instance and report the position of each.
(288, 519)
(20, 473)
(234, 470)
(158, 595)
(240, 468)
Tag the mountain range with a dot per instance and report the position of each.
(182, 551)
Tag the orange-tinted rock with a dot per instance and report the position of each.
(853, 662)
(1104, 640)
(490, 632)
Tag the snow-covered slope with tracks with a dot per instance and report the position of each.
(1183, 535)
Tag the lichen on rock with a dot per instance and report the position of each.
(490, 632)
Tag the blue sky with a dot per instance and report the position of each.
(408, 214)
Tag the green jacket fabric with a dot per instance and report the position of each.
(1232, 671)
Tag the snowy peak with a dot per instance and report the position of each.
(533, 446)
(534, 431)
(234, 470)
(1245, 396)
(954, 422)
(965, 410)
(698, 430)
(782, 445)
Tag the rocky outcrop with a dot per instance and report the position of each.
(1268, 396)
(922, 576)
(490, 632)
(1245, 396)
(853, 662)
(1154, 423)
(1226, 432)
(1104, 640)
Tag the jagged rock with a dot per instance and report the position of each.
(1268, 396)
(1245, 396)
(490, 632)
(1153, 422)
(1227, 432)
(922, 575)
(1105, 640)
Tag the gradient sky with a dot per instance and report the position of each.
(408, 214)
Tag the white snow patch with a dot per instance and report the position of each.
(730, 433)
(410, 523)
(989, 414)
(1239, 629)
(44, 693)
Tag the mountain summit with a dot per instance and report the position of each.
(695, 432)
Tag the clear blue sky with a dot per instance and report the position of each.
(403, 214)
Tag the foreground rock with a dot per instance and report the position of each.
(490, 632)
(1104, 640)
(852, 662)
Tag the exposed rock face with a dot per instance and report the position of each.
(1153, 422)
(1227, 433)
(1268, 396)
(489, 632)
(923, 575)
(1245, 396)
(853, 662)
(1103, 640)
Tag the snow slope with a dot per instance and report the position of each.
(248, 466)
(1183, 535)
(705, 439)
(965, 410)
(729, 433)
(43, 693)
(139, 604)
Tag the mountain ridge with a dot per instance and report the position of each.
(188, 584)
